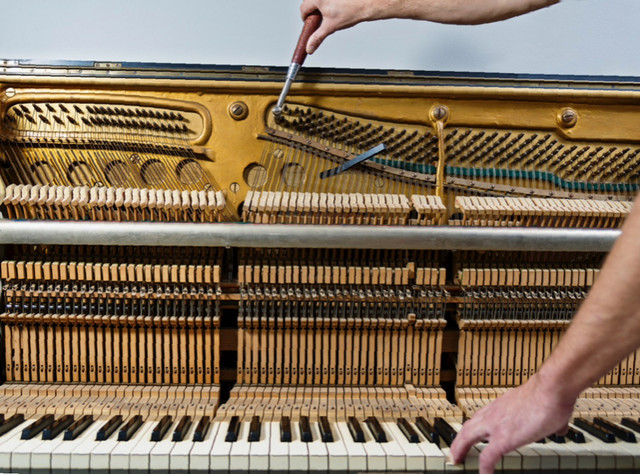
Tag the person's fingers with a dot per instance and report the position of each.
(318, 37)
(472, 433)
(564, 430)
(307, 7)
(489, 457)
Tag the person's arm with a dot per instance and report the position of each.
(341, 14)
(605, 329)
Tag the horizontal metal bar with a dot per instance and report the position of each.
(305, 236)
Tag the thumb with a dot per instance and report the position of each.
(316, 39)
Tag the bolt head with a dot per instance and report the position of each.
(238, 110)
(567, 117)
(439, 112)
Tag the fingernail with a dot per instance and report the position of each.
(310, 49)
(448, 461)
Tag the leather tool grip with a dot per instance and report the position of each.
(311, 24)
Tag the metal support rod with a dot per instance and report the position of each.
(305, 236)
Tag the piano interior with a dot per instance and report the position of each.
(200, 358)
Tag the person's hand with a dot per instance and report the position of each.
(523, 415)
(337, 15)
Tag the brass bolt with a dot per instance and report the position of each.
(234, 187)
(567, 118)
(238, 110)
(10, 92)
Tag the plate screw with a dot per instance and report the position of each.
(440, 112)
(238, 110)
(567, 118)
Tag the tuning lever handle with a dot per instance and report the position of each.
(311, 24)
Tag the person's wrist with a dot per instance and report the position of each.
(554, 387)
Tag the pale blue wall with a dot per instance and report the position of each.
(575, 37)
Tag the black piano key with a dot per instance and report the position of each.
(445, 430)
(408, 431)
(128, 430)
(254, 429)
(355, 429)
(57, 427)
(108, 428)
(376, 430)
(78, 428)
(305, 430)
(182, 428)
(37, 426)
(285, 429)
(427, 430)
(233, 429)
(603, 434)
(161, 428)
(575, 435)
(556, 438)
(201, 429)
(631, 424)
(325, 430)
(11, 423)
(623, 434)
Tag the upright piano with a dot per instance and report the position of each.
(193, 284)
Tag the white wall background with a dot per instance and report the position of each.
(596, 37)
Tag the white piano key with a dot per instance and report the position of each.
(434, 457)
(357, 454)
(121, 456)
(259, 451)
(219, 456)
(41, 457)
(100, 452)
(278, 451)
(529, 458)
(567, 459)
(21, 454)
(298, 451)
(337, 451)
(376, 455)
(200, 455)
(610, 456)
(413, 455)
(78, 449)
(160, 451)
(180, 454)
(396, 456)
(584, 457)
(318, 455)
(8, 442)
(549, 461)
(239, 452)
(511, 461)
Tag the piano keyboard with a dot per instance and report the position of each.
(300, 446)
